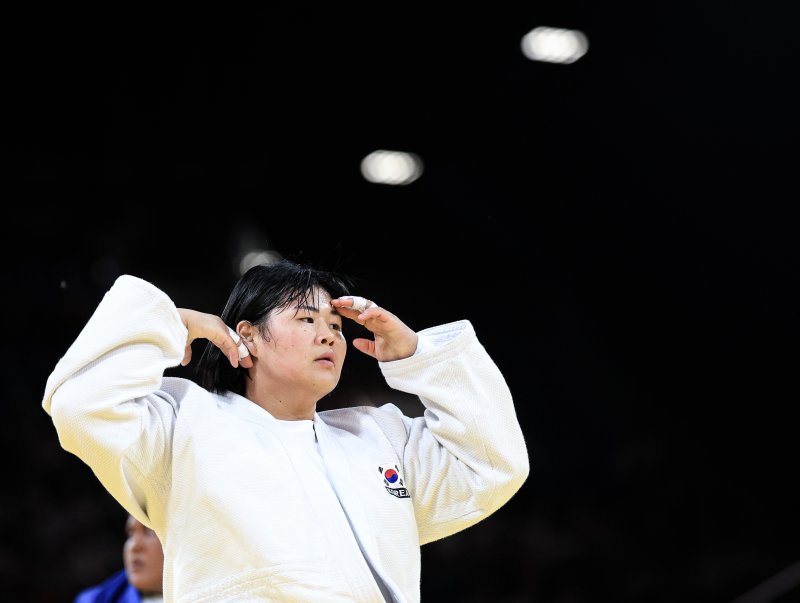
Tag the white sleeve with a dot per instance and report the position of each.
(103, 395)
(466, 456)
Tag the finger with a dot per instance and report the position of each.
(376, 319)
(241, 348)
(366, 346)
(187, 355)
(354, 303)
(242, 353)
(346, 302)
(374, 311)
(227, 346)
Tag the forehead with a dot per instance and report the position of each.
(321, 296)
(315, 299)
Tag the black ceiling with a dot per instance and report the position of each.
(621, 231)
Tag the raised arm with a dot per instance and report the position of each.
(466, 456)
(106, 395)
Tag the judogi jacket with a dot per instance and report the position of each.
(251, 508)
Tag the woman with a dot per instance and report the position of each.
(255, 494)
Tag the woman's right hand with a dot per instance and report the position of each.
(209, 326)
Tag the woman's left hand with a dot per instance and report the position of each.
(394, 340)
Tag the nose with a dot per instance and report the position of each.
(326, 335)
(135, 542)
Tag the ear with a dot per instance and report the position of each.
(248, 332)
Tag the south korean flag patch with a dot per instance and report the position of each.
(393, 480)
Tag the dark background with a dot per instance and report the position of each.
(620, 231)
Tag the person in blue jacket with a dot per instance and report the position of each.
(140, 580)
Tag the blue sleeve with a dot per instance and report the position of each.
(108, 591)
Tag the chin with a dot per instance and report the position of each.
(145, 587)
(328, 385)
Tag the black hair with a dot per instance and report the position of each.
(260, 291)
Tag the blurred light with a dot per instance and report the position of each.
(554, 45)
(256, 257)
(391, 167)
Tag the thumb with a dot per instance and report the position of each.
(187, 355)
(365, 345)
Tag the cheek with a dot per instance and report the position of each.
(294, 343)
(281, 359)
(155, 553)
(284, 351)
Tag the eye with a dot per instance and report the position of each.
(307, 319)
(336, 326)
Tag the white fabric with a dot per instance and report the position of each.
(242, 507)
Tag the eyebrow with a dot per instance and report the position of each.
(310, 308)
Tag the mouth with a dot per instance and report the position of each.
(326, 359)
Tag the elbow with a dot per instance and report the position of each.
(504, 485)
(71, 416)
(520, 468)
(508, 481)
(61, 412)
(65, 416)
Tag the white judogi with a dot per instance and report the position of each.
(250, 508)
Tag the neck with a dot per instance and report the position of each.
(285, 408)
